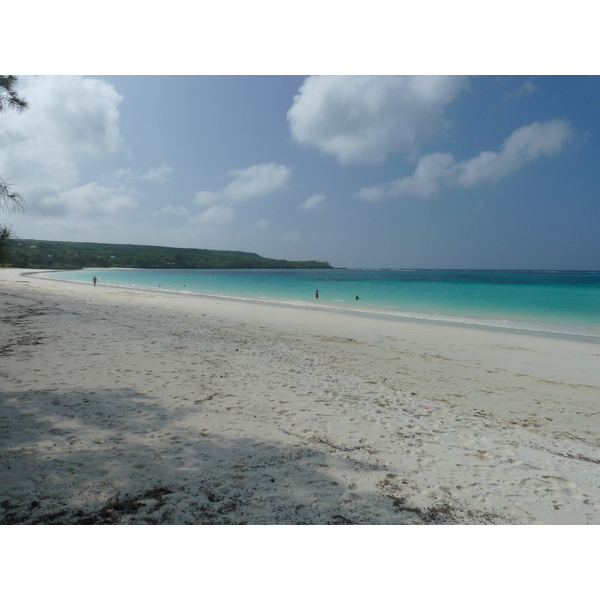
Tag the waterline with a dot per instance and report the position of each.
(566, 303)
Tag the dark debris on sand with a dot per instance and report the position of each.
(111, 513)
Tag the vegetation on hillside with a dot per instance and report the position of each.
(77, 255)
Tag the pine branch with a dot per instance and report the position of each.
(9, 199)
(8, 96)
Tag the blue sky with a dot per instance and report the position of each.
(362, 171)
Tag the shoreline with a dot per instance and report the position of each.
(370, 312)
(132, 406)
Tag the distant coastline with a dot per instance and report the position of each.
(43, 254)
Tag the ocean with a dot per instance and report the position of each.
(551, 302)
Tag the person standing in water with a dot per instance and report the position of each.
(95, 280)
(317, 294)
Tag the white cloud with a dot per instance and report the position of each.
(177, 211)
(526, 89)
(88, 200)
(252, 182)
(522, 147)
(258, 180)
(70, 119)
(361, 119)
(156, 174)
(441, 169)
(207, 198)
(431, 170)
(313, 202)
(214, 216)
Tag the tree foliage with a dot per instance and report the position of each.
(77, 255)
(9, 199)
(5, 237)
(8, 96)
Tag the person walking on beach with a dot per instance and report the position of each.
(317, 294)
(95, 280)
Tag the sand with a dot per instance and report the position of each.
(121, 406)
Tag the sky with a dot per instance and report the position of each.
(361, 171)
(431, 135)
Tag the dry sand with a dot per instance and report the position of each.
(120, 406)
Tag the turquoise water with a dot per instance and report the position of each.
(560, 302)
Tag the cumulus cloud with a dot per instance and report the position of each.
(88, 200)
(433, 171)
(177, 211)
(216, 215)
(207, 198)
(256, 181)
(362, 119)
(70, 119)
(522, 147)
(252, 182)
(312, 203)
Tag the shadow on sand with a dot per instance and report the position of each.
(116, 457)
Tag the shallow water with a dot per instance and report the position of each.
(566, 302)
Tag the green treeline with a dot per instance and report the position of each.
(76, 255)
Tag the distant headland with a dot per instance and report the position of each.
(77, 255)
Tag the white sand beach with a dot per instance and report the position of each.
(121, 406)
